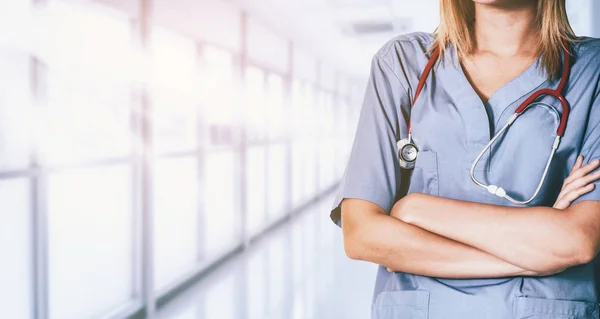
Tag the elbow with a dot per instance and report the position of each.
(586, 256)
(585, 249)
(355, 221)
(575, 249)
(584, 242)
(366, 231)
(351, 250)
(357, 245)
(575, 243)
(353, 245)
(584, 233)
(580, 249)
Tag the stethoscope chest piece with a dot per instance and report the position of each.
(407, 153)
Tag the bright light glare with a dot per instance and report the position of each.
(97, 47)
(173, 62)
(16, 111)
(84, 122)
(17, 15)
(220, 93)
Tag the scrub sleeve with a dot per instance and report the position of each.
(373, 172)
(590, 149)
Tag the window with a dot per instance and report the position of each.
(326, 163)
(221, 227)
(174, 85)
(326, 113)
(221, 113)
(176, 224)
(275, 107)
(255, 103)
(310, 171)
(297, 114)
(220, 104)
(256, 188)
(15, 111)
(84, 121)
(298, 173)
(15, 247)
(90, 241)
(90, 61)
(277, 181)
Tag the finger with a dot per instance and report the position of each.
(577, 164)
(580, 182)
(566, 200)
(572, 196)
(561, 204)
(584, 170)
(390, 269)
(590, 178)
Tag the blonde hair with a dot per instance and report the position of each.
(456, 29)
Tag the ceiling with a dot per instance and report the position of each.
(342, 33)
(345, 33)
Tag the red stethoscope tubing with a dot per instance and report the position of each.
(557, 93)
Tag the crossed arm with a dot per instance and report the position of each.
(439, 237)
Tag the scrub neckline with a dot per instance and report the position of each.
(456, 82)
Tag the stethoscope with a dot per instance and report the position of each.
(408, 151)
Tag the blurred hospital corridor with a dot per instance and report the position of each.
(297, 271)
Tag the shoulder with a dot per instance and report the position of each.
(405, 46)
(585, 68)
(586, 71)
(405, 55)
(587, 51)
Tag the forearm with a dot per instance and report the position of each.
(388, 241)
(537, 238)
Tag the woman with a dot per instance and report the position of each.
(456, 248)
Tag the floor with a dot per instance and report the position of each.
(299, 271)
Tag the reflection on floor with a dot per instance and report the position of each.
(297, 272)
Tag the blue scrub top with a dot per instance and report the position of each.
(451, 125)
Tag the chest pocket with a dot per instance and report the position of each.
(538, 308)
(424, 176)
(413, 304)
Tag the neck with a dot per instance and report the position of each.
(507, 29)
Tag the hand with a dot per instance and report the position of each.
(579, 182)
